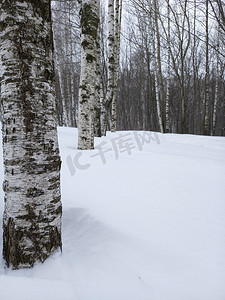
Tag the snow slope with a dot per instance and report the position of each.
(144, 219)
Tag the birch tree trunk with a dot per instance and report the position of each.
(87, 98)
(118, 16)
(183, 53)
(158, 106)
(159, 68)
(98, 90)
(194, 68)
(168, 69)
(72, 108)
(206, 119)
(67, 75)
(32, 215)
(111, 66)
(213, 128)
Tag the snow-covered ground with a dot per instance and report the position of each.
(143, 219)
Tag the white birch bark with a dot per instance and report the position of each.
(72, 108)
(206, 119)
(158, 107)
(32, 215)
(160, 102)
(89, 34)
(194, 67)
(168, 70)
(111, 66)
(217, 83)
(118, 18)
(98, 90)
(67, 75)
(159, 115)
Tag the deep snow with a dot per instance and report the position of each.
(143, 221)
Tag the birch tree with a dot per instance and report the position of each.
(206, 115)
(168, 69)
(32, 215)
(158, 68)
(89, 18)
(155, 67)
(118, 16)
(111, 66)
(194, 65)
(98, 89)
(217, 83)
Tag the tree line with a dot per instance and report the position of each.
(172, 76)
(171, 70)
